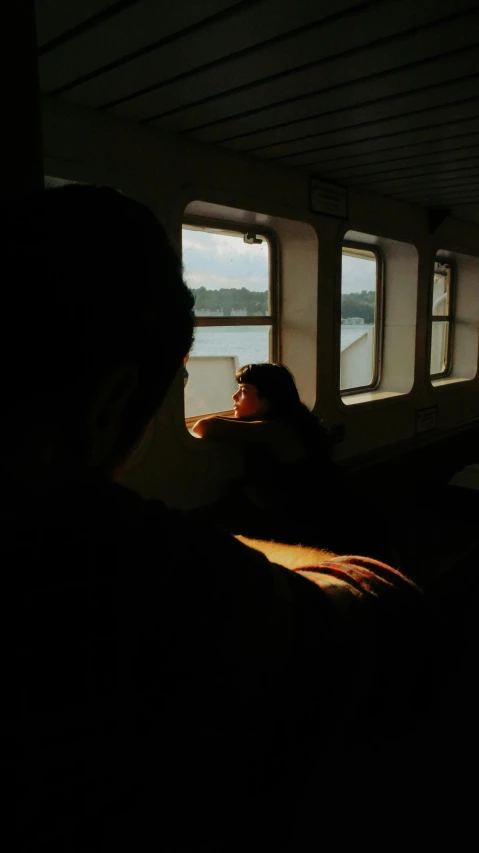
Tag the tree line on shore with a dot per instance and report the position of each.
(228, 299)
(359, 305)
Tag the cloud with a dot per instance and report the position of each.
(220, 244)
(224, 260)
(193, 243)
(357, 274)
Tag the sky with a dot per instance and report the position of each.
(358, 274)
(222, 260)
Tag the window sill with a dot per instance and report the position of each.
(369, 397)
(450, 380)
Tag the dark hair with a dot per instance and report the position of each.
(275, 383)
(90, 282)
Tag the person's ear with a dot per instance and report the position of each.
(106, 411)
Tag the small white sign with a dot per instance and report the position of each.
(328, 198)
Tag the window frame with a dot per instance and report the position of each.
(443, 318)
(379, 314)
(273, 319)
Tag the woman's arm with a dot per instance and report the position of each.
(233, 429)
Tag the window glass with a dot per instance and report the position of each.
(441, 318)
(359, 321)
(439, 346)
(440, 297)
(229, 274)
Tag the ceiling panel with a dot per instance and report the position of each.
(163, 107)
(435, 200)
(367, 125)
(376, 148)
(132, 29)
(374, 169)
(56, 17)
(430, 165)
(380, 94)
(440, 195)
(247, 25)
(387, 94)
(420, 183)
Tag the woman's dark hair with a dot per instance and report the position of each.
(275, 383)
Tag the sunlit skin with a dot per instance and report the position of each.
(247, 404)
(248, 424)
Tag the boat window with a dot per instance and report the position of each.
(229, 272)
(361, 317)
(442, 318)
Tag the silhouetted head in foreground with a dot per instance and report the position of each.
(96, 323)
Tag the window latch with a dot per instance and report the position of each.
(251, 239)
